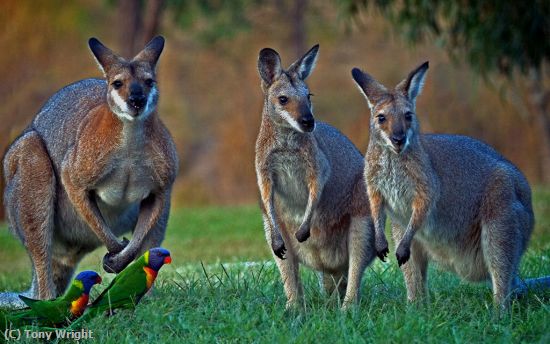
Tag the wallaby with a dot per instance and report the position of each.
(95, 162)
(450, 198)
(310, 178)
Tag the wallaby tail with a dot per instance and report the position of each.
(11, 301)
(538, 284)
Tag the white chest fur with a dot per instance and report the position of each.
(397, 189)
(290, 187)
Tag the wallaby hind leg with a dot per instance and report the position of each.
(502, 218)
(288, 268)
(62, 272)
(415, 271)
(361, 252)
(29, 197)
(334, 282)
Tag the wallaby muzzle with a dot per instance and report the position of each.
(306, 120)
(137, 99)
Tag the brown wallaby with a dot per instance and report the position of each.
(95, 162)
(310, 176)
(450, 198)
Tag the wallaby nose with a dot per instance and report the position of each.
(307, 123)
(398, 139)
(137, 101)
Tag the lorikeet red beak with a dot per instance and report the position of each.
(168, 260)
(98, 280)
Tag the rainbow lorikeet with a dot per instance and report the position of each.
(129, 286)
(59, 311)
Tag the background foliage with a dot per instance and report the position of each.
(210, 94)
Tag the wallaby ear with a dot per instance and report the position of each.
(412, 86)
(151, 52)
(105, 58)
(371, 89)
(269, 65)
(304, 66)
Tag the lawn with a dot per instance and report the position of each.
(224, 287)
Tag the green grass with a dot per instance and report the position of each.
(231, 301)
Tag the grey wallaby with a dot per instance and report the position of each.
(310, 177)
(95, 162)
(450, 198)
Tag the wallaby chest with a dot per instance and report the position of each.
(127, 181)
(391, 178)
(127, 174)
(289, 175)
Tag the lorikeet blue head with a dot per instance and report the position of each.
(157, 257)
(88, 279)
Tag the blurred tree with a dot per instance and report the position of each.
(213, 20)
(494, 36)
(138, 23)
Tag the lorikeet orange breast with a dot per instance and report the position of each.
(129, 286)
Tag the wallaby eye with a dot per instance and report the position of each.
(149, 82)
(117, 84)
(409, 116)
(283, 100)
(381, 118)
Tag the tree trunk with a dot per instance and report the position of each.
(2, 186)
(151, 20)
(129, 27)
(539, 99)
(298, 27)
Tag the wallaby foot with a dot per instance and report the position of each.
(303, 233)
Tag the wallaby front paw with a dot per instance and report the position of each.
(114, 263)
(403, 253)
(279, 249)
(382, 249)
(117, 246)
(303, 233)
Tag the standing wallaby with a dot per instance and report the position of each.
(95, 162)
(450, 198)
(311, 183)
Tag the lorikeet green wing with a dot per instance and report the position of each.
(129, 286)
(58, 311)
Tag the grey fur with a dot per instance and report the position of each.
(450, 198)
(312, 188)
(131, 192)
